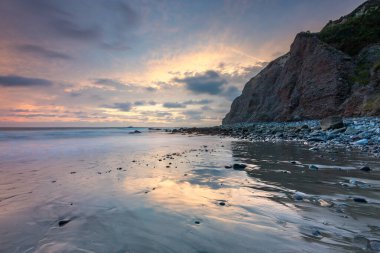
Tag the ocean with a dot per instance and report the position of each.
(112, 190)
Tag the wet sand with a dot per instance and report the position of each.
(157, 192)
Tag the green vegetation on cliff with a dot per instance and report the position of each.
(352, 33)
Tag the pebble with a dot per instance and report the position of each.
(299, 196)
(239, 166)
(366, 169)
(61, 223)
(313, 167)
(361, 142)
(360, 200)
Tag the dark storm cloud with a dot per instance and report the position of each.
(41, 52)
(20, 81)
(173, 105)
(209, 82)
(124, 107)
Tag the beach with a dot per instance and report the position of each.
(108, 190)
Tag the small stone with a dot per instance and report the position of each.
(361, 142)
(360, 200)
(239, 166)
(298, 196)
(366, 169)
(72, 172)
(119, 168)
(228, 166)
(313, 167)
(61, 223)
(316, 233)
(197, 222)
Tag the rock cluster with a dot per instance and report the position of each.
(352, 133)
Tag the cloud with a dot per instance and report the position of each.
(108, 82)
(231, 93)
(124, 107)
(20, 81)
(192, 114)
(173, 105)
(198, 102)
(139, 103)
(209, 82)
(41, 52)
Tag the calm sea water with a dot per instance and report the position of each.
(159, 192)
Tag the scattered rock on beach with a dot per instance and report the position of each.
(313, 167)
(62, 223)
(239, 166)
(333, 122)
(360, 200)
(365, 168)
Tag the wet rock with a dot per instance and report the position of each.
(361, 142)
(339, 130)
(316, 233)
(239, 166)
(315, 139)
(62, 223)
(299, 196)
(365, 168)
(135, 132)
(228, 166)
(333, 122)
(374, 245)
(360, 200)
(197, 222)
(119, 168)
(313, 167)
(222, 203)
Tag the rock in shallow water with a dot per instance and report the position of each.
(366, 169)
(61, 223)
(239, 166)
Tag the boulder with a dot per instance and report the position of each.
(333, 122)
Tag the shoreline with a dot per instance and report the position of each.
(360, 134)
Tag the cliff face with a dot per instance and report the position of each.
(314, 80)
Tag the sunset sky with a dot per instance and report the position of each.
(141, 63)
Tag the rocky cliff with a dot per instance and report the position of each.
(334, 72)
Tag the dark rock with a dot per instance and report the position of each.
(316, 233)
(72, 172)
(360, 200)
(333, 122)
(239, 166)
(197, 222)
(316, 139)
(366, 169)
(61, 223)
(313, 167)
(135, 132)
(228, 166)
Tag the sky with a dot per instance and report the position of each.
(141, 62)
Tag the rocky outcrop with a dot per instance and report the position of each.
(314, 80)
